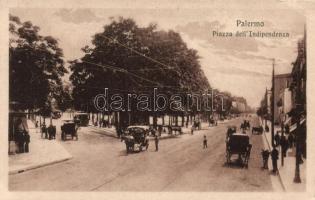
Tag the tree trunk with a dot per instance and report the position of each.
(116, 119)
(154, 121)
(176, 120)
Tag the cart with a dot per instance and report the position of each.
(135, 138)
(238, 144)
(69, 128)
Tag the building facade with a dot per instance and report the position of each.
(282, 85)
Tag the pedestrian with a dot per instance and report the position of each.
(205, 142)
(274, 157)
(36, 124)
(265, 155)
(160, 130)
(18, 141)
(277, 139)
(156, 140)
(267, 128)
(290, 140)
(192, 129)
(44, 130)
(20, 130)
(153, 131)
(284, 145)
(27, 138)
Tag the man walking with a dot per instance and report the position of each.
(277, 139)
(156, 140)
(205, 142)
(274, 157)
(265, 155)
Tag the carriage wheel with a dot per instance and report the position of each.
(228, 157)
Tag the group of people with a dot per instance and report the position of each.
(48, 132)
(22, 137)
(103, 123)
(284, 142)
(274, 157)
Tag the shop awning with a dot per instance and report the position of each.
(294, 126)
(287, 121)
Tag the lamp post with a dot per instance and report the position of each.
(272, 104)
(297, 178)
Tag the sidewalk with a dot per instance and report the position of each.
(287, 171)
(42, 152)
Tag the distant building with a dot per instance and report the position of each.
(268, 100)
(239, 106)
(282, 83)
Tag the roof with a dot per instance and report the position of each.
(240, 134)
(140, 126)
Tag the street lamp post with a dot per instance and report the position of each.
(297, 178)
(272, 104)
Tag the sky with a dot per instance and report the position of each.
(241, 66)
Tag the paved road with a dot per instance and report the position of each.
(100, 163)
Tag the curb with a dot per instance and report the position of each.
(39, 166)
(279, 176)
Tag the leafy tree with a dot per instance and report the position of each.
(35, 67)
(129, 58)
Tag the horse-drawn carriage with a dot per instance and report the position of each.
(245, 125)
(212, 122)
(69, 128)
(257, 130)
(238, 144)
(230, 131)
(175, 129)
(135, 137)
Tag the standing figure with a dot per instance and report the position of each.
(192, 129)
(27, 140)
(274, 157)
(267, 128)
(290, 140)
(156, 140)
(160, 130)
(265, 155)
(20, 129)
(205, 142)
(277, 139)
(284, 145)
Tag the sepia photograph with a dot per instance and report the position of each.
(169, 99)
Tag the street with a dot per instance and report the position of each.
(100, 163)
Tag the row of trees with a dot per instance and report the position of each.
(36, 70)
(124, 57)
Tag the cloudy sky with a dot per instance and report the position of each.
(241, 66)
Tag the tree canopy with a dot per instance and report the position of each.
(128, 58)
(36, 67)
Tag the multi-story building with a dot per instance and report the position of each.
(282, 83)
